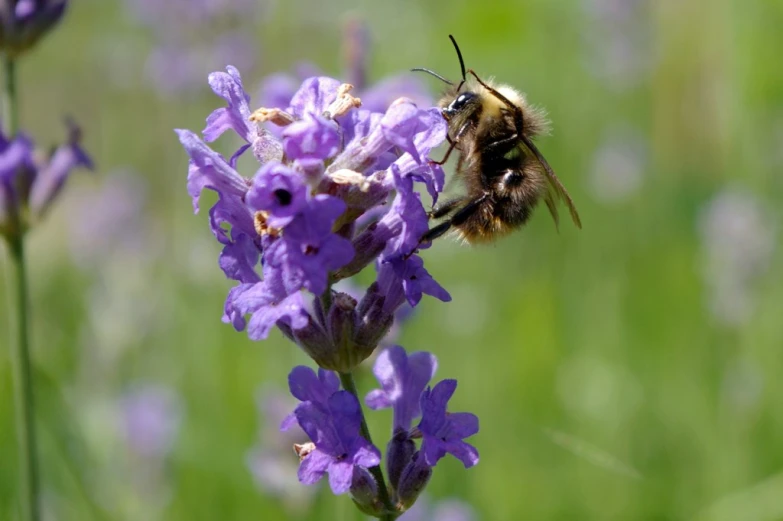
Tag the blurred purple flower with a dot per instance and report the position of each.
(30, 182)
(618, 41)
(110, 220)
(195, 36)
(618, 165)
(24, 22)
(737, 243)
(151, 417)
(444, 510)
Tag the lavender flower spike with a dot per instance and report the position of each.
(299, 217)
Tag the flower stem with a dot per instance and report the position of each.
(23, 389)
(349, 385)
(10, 104)
(23, 385)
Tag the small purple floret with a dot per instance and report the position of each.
(442, 431)
(339, 446)
(403, 378)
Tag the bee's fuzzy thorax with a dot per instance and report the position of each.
(535, 118)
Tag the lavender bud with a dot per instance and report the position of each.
(374, 321)
(364, 492)
(23, 23)
(399, 452)
(413, 480)
(341, 322)
(314, 340)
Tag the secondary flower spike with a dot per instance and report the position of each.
(30, 181)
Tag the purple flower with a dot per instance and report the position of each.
(403, 378)
(267, 305)
(738, 243)
(401, 279)
(443, 432)
(306, 386)
(151, 419)
(339, 446)
(208, 169)
(279, 191)
(30, 182)
(309, 250)
(24, 22)
(312, 137)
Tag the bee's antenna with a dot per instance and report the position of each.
(461, 61)
(433, 73)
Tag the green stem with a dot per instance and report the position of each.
(23, 384)
(10, 98)
(349, 385)
(23, 389)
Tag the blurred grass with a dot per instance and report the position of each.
(590, 357)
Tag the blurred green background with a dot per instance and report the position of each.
(630, 370)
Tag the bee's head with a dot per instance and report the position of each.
(463, 104)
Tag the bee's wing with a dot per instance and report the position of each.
(555, 189)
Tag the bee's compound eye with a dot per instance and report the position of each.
(459, 103)
(512, 178)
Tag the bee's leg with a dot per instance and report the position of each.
(446, 208)
(462, 215)
(502, 145)
(452, 144)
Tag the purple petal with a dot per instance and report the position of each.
(312, 137)
(313, 467)
(464, 452)
(314, 96)
(340, 476)
(239, 259)
(209, 169)
(377, 399)
(464, 424)
(50, 180)
(367, 456)
(305, 385)
(278, 190)
(228, 85)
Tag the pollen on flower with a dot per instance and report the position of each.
(260, 222)
(343, 103)
(349, 177)
(275, 116)
(303, 450)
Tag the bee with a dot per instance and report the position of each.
(492, 127)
